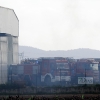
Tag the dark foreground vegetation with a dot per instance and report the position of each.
(21, 92)
(19, 89)
(53, 97)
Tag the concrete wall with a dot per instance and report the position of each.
(8, 55)
(9, 32)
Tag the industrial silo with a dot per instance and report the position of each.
(9, 32)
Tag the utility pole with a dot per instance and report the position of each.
(36, 81)
(21, 56)
(85, 77)
(60, 76)
(11, 75)
(1, 67)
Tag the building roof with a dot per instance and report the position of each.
(9, 22)
(10, 9)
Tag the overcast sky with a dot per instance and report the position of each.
(57, 24)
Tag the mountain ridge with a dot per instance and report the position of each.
(31, 52)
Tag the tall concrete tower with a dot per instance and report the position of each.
(9, 32)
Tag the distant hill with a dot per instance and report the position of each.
(30, 52)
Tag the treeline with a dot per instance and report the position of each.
(22, 89)
(53, 97)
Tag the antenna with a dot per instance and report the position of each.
(21, 56)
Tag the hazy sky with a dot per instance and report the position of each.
(57, 24)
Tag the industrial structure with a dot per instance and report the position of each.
(9, 32)
(41, 71)
(55, 71)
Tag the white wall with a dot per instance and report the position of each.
(15, 50)
(3, 59)
(8, 22)
(8, 55)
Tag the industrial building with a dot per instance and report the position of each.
(9, 32)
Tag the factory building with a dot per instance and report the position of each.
(9, 32)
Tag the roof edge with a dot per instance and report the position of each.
(10, 9)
